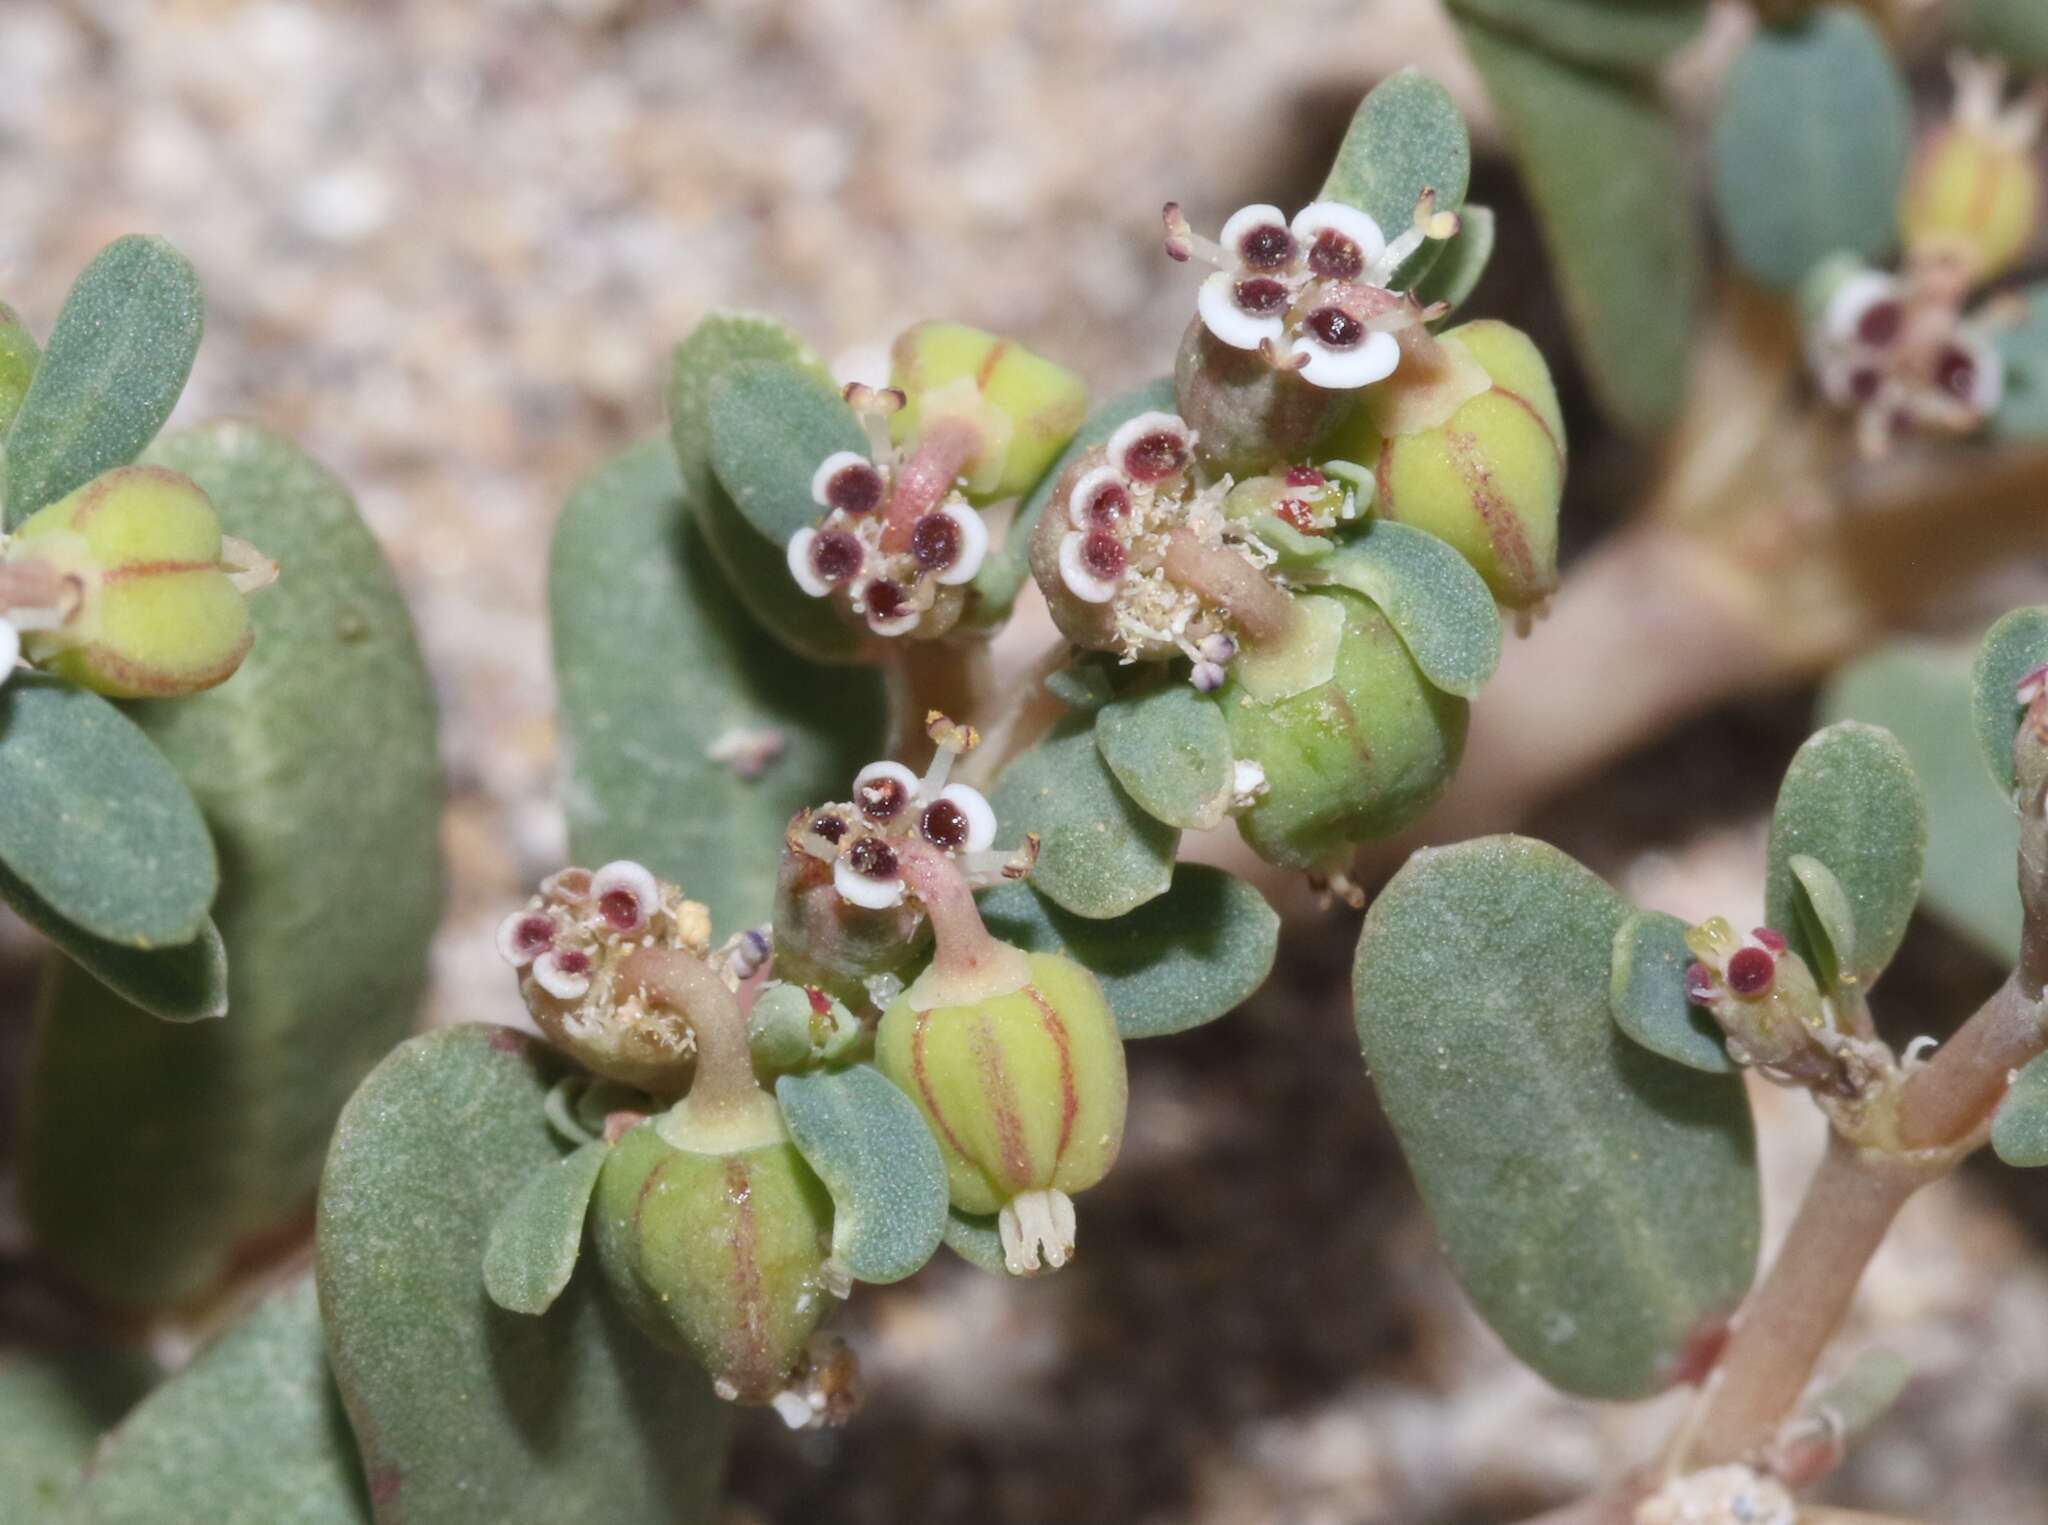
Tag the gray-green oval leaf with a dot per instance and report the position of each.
(97, 822)
(1436, 603)
(1598, 1203)
(773, 422)
(1809, 146)
(1169, 748)
(1405, 138)
(1827, 922)
(1646, 993)
(534, 1242)
(54, 1406)
(976, 1239)
(2022, 343)
(1196, 953)
(110, 375)
(1624, 36)
(1100, 855)
(658, 665)
(188, 983)
(2013, 648)
(1851, 800)
(465, 1414)
(2019, 1133)
(871, 1147)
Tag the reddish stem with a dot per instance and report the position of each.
(1258, 605)
(30, 585)
(965, 950)
(685, 984)
(923, 481)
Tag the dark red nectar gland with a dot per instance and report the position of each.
(1305, 476)
(1103, 555)
(621, 908)
(1881, 324)
(1108, 505)
(1699, 984)
(1771, 938)
(881, 799)
(1335, 257)
(533, 935)
(885, 599)
(943, 824)
(836, 556)
(828, 828)
(935, 543)
(1956, 373)
(573, 961)
(1336, 328)
(872, 858)
(1262, 297)
(1155, 457)
(1750, 972)
(1267, 247)
(855, 489)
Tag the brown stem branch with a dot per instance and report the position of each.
(1025, 718)
(951, 677)
(923, 481)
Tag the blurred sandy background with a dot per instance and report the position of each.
(448, 245)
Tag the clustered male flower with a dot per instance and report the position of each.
(892, 549)
(1313, 294)
(567, 944)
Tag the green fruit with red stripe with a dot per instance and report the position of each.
(719, 1252)
(1025, 1091)
(1024, 407)
(1472, 450)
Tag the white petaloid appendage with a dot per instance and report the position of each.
(1037, 1227)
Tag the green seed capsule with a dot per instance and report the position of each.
(1348, 757)
(1248, 417)
(717, 1252)
(824, 940)
(1024, 406)
(1025, 1093)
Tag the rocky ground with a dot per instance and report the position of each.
(448, 244)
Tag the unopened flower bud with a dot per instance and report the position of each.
(1470, 446)
(1974, 191)
(150, 600)
(1767, 1002)
(1023, 407)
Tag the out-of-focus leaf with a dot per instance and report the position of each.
(2016, 30)
(1646, 992)
(1850, 799)
(1084, 686)
(1809, 146)
(1436, 602)
(2022, 412)
(1921, 693)
(1168, 746)
(110, 375)
(773, 422)
(870, 1146)
(251, 1433)
(1405, 138)
(658, 664)
(1598, 1202)
(188, 983)
(1626, 36)
(976, 1240)
(535, 1241)
(316, 768)
(2013, 647)
(1190, 956)
(1100, 854)
(96, 823)
(54, 1406)
(1457, 271)
(1606, 169)
(2020, 1131)
(466, 1414)
(1862, 1394)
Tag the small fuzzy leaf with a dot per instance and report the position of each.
(721, 341)
(1196, 953)
(1458, 269)
(1809, 146)
(110, 375)
(1601, 155)
(1405, 138)
(97, 823)
(1598, 1203)
(2023, 344)
(1084, 686)
(188, 983)
(628, 574)
(1436, 602)
(869, 1144)
(975, 1239)
(465, 1414)
(773, 423)
(1921, 693)
(1646, 992)
(317, 770)
(251, 1433)
(54, 1406)
(1169, 748)
(1850, 799)
(2016, 30)
(534, 1242)
(2013, 648)
(1827, 922)
(1625, 36)
(1100, 854)
(2019, 1133)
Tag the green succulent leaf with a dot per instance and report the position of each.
(1850, 799)
(2016, 30)
(2019, 1133)
(1825, 918)
(1809, 146)
(316, 768)
(976, 1239)
(535, 1241)
(570, 1416)
(1405, 138)
(1623, 36)
(54, 1406)
(1084, 686)
(1601, 155)
(869, 1144)
(110, 375)
(2022, 412)
(1921, 692)
(2013, 648)
(251, 1433)
(628, 573)
(755, 566)
(772, 423)
(1194, 954)
(188, 983)
(1100, 854)
(1436, 602)
(1463, 261)
(1169, 748)
(1598, 1203)
(98, 826)
(1646, 992)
